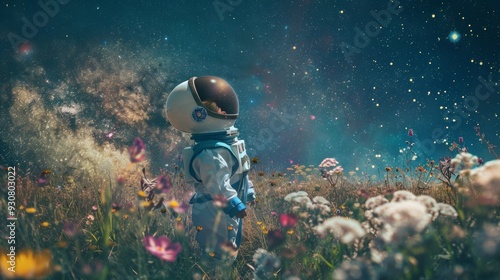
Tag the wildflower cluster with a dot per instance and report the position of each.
(314, 211)
(330, 170)
(158, 186)
(404, 216)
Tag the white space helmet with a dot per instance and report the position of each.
(202, 105)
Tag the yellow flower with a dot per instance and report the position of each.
(212, 254)
(28, 264)
(199, 228)
(265, 231)
(259, 223)
(21, 207)
(142, 194)
(290, 232)
(146, 204)
(229, 227)
(173, 204)
(125, 216)
(30, 210)
(178, 219)
(45, 224)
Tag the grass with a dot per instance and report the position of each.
(94, 229)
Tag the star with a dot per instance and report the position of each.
(454, 36)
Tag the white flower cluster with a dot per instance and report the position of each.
(316, 208)
(266, 264)
(486, 181)
(404, 216)
(346, 230)
(355, 269)
(465, 161)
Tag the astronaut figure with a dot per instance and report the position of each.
(217, 164)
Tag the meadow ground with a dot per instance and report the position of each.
(438, 221)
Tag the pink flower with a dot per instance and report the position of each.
(288, 220)
(41, 181)
(162, 247)
(328, 162)
(274, 213)
(410, 132)
(137, 151)
(90, 219)
(337, 170)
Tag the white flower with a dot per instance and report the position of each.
(486, 180)
(447, 210)
(402, 218)
(324, 209)
(402, 195)
(302, 200)
(353, 270)
(431, 205)
(347, 230)
(375, 201)
(266, 264)
(321, 200)
(291, 196)
(466, 160)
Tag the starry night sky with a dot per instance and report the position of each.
(302, 98)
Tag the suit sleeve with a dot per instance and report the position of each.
(213, 167)
(251, 192)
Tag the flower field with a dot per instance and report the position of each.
(438, 221)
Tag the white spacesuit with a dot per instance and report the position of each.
(217, 164)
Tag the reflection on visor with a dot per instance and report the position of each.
(212, 106)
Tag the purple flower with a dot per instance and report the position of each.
(163, 184)
(410, 132)
(137, 151)
(460, 139)
(478, 131)
(70, 228)
(275, 238)
(162, 247)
